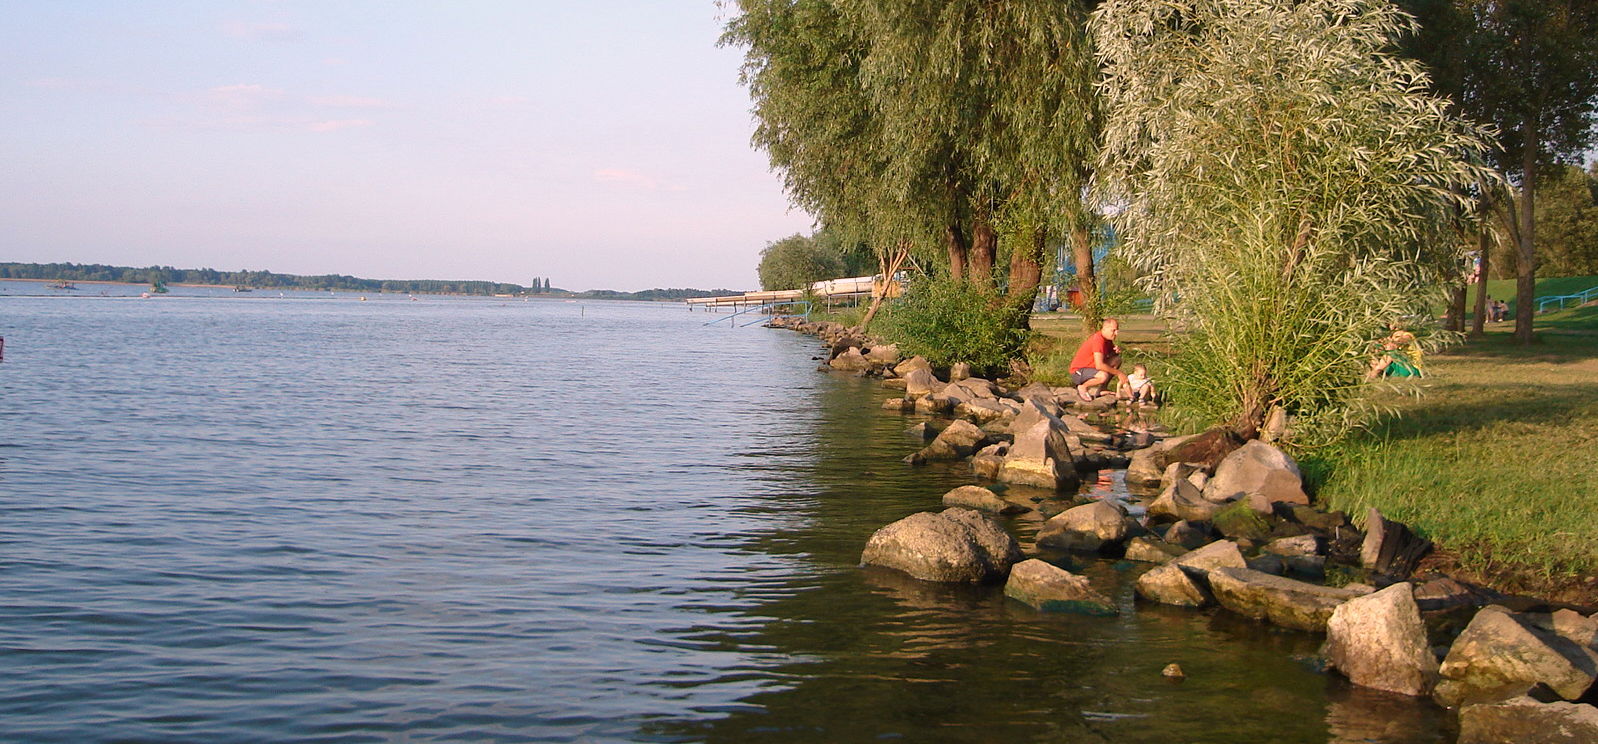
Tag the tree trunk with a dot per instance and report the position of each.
(879, 288)
(954, 240)
(984, 249)
(1086, 281)
(1456, 310)
(1478, 325)
(1526, 274)
(1026, 269)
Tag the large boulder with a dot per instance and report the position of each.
(955, 546)
(974, 388)
(1257, 469)
(884, 355)
(1041, 456)
(919, 381)
(1240, 522)
(957, 440)
(1379, 641)
(1524, 720)
(1285, 602)
(903, 368)
(1501, 654)
(1182, 501)
(981, 499)
(850, 360)
(1053, 589)
(1184, 581)
(1088, 528)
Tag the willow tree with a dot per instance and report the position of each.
(998, 96)
(921, 123)
(1288, 187)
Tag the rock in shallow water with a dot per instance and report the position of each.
(1053, 589)
(957, 545)
(1284, 602)
(1501, 654)
(981, 499)
(1523, 720)
(1379, 641)
(1089, 527)
(1184, 580)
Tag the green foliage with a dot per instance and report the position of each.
(948, 321)
(796, 262)
(1289, 191)
(1567, 222)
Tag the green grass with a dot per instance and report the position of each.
(1504, 289)
(1495, 462)
(1571, 320)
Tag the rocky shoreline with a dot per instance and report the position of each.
(1215, 523)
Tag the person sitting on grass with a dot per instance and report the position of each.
(1137, 388)
(1400, 355)
(1096, 361)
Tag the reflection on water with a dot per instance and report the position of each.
(471, 520)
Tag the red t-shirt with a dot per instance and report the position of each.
(1094, 343)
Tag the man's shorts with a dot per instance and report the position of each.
(1080, 376)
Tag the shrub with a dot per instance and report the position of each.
(950, 321)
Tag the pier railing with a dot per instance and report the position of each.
(764, 310)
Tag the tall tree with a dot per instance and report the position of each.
(1531, 74)
(1288, 186)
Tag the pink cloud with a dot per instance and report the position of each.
(241, 97)
(634, 179)
(334, 125)
(349, 101)
(267, 31)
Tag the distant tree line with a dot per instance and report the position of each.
(651, 295)
(252, 279)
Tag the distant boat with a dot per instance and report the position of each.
(63, 284)
(242, 288)
(158, 287)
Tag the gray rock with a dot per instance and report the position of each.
(1189, 534)
(898, 404)
(1053, 589)
(850, 360)
(1184, 580)
(959, 439)
(1040, 456)
(935, 405)
(1523, 720)
(959, 545)
(1575, 627)
(1257, 468)
(1148, 464)
(975, 388)
(919, 381)
(1500, 654)
(987, 461)
(981, 410)
(886, 355)
(1269, 563)
(959, 371)
(981, 499)
(903, 368)
(924, 431)
(1284, 602)
(1182, 501)
(1088, 528)
(1379, 641)
(1297, 545)
(1148, 550)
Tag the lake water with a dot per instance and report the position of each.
(233, 519)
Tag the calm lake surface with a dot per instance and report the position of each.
(234, 519)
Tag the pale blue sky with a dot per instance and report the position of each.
(603, 144)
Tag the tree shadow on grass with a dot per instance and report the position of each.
(1508, 402)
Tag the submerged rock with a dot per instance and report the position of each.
(1184, 581)
(1284, 602)
(1523, 720)
(981, 499)
(1379, 641)
(1087, 528)
(957, 545)
(1053, 589)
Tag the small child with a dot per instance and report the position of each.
(1138, 388)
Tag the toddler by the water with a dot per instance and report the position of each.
(1139, 387)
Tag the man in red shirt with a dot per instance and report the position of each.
(1097, 360)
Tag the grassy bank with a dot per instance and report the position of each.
(1494, 459)
(1494, 462)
